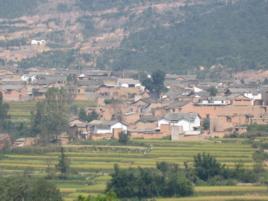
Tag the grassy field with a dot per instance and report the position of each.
(93, 164)
(21, 111)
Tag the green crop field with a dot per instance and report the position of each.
(92, 164)
(21, 111)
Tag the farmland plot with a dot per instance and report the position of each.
(92, 164)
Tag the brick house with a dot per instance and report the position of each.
(240, 111)
(78, 129)
(106, 129)
(182, 123)
(14, 92)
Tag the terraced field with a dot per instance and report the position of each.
(21, 111)
(92, 164)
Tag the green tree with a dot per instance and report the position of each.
(166, 180)
(44, 191)
(28, 189)
(155, 84)
(207, 166)
(106, 197)
(212, 91)
(123, 138)
(83, 116)
(206, 124)
(51, 116)
(63, 165)
(242, 174)
(4, 108)
(50, 170)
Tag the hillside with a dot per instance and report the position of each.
(177, 35)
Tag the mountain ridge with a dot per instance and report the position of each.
(135, 34)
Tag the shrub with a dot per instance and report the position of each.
(166, 181)
(28, 189)
(123, 138)
(206, 166)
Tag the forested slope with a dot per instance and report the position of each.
(176, 35)
(234, 35)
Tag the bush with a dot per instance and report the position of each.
(106, 197)
(206, 166)
(123, 138)
(166, 181)
(220, 181)
(28, 189)
(242, 174)
(83, 116)
(208, 169)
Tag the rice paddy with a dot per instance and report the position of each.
(92, 164)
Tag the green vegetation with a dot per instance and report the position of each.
(92, 164)
(232, 34)
(106, 197)
(206, 123)
(4, 108)
(63, 165)
(88, 26)
(53, 59)
(93, 5)
(212, 91)
(28, 189)
(112, 101)
(18, 8)
(51, 116)
(215, 32)
(262, 129)
(207, 168)
(83, 116)
(164, 181)
(155, 84)
(21, 111)
(13, 43)
(123, 138)
(63, 7)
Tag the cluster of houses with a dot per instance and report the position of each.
(123, 105)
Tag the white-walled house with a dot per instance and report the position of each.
(129, 83)
(252, 96)
(185, 123)
(38, 42)
(106, 127)
(213, 101)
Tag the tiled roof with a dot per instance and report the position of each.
(181, 116)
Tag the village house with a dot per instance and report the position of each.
(239, 111)
(213, 101)
(180, 123)
(86, 89)
(78, 130)
(38, 42)
(146, 122)
(25, 142)
(106, 129)
(129, 83)
(14, 91)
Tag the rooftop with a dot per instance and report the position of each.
(181, 116)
